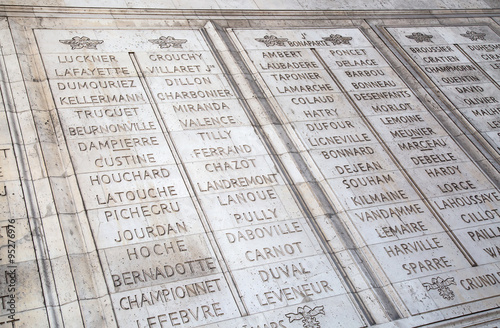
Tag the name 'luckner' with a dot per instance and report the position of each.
(241, 182)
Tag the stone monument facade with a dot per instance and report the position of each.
(250, 164)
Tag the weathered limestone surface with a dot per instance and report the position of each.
(264, 5)
(249, 164)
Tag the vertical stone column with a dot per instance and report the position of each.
(21, 298)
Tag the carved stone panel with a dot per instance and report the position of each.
(394, 173)
(193, 221)
(266, 168)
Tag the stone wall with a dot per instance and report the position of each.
(250, 164)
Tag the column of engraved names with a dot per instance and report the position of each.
(158, 263)
(440, 169)
(388, 214)
(268, 245)
(482, 46)
(439, 52)
(21, 300)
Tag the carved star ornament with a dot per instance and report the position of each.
(272, 40)
(168, 41)
(474, 36)
(338, 39)
(420, 37)
(80, 42)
